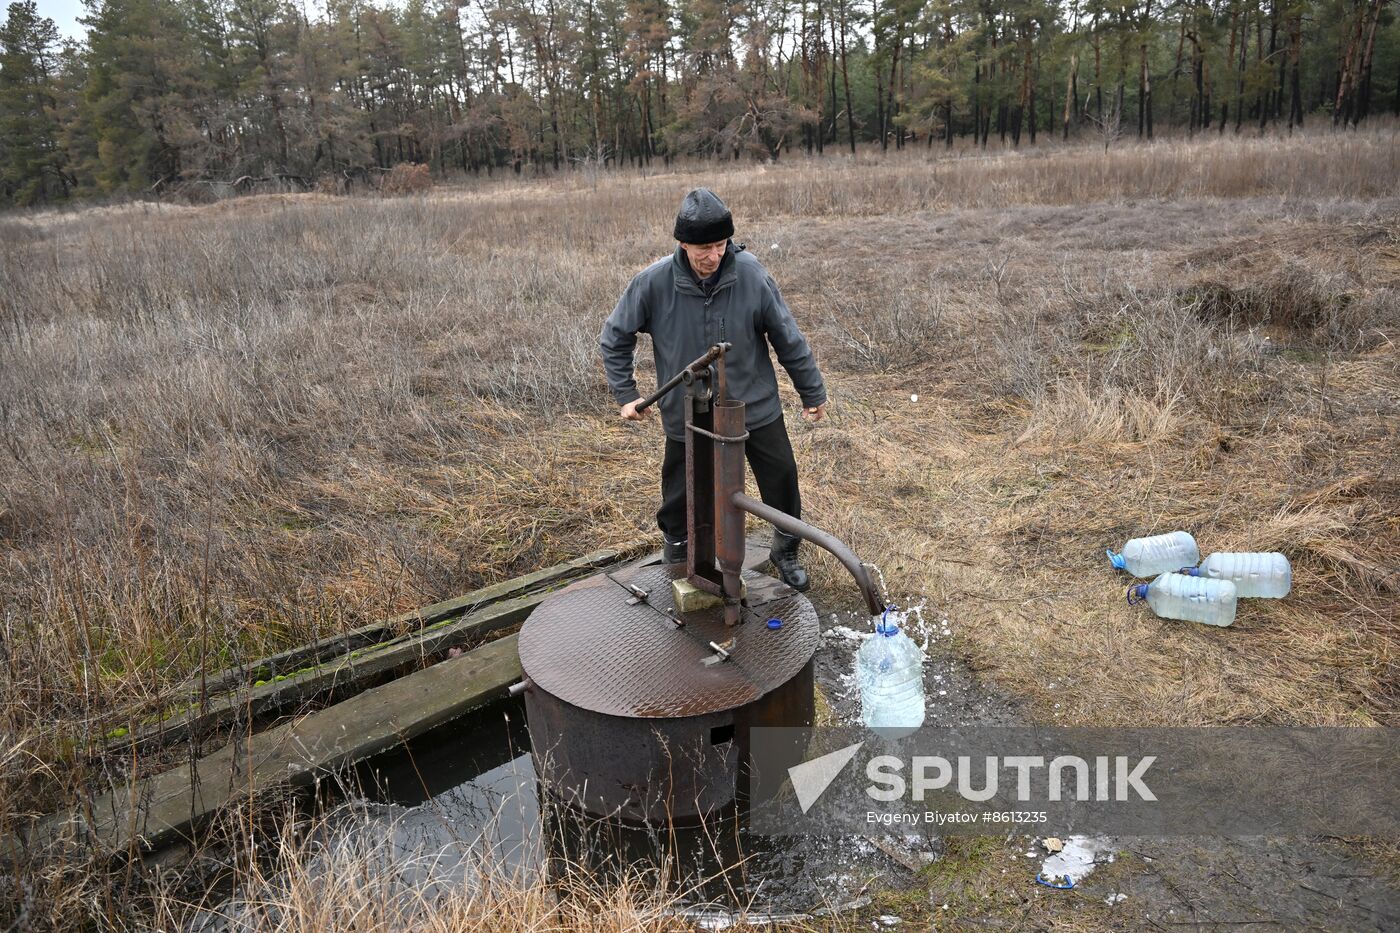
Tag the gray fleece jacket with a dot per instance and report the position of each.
(743, 307)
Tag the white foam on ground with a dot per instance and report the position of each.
(846, 632)
(1077, 859)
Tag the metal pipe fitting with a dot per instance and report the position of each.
(874, 599)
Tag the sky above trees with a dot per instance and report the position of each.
(65, 14)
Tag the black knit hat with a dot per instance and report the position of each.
(703, 218)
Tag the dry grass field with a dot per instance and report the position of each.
(234, 427)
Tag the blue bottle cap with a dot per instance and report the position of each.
(775, 623)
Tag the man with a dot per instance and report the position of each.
(707, 292)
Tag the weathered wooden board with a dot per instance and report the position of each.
(295, 659)
(155, 809)
(341, 675)
(350, 661)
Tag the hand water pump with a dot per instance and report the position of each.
(642, 684)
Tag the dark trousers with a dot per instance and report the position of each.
(770, 457)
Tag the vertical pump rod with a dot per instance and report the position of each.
(715, 499)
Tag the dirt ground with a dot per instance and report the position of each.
(1161, 883)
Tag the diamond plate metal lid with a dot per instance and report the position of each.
(588, 646)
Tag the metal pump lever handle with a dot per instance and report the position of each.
(696, 367)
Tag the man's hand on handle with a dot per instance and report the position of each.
(814, 414)
(629, 411)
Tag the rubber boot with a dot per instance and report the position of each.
(673, 552)
(783, 554)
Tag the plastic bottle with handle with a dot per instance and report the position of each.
(1263, 575)
(890, 673)
(1147, 557)
(1190, 599)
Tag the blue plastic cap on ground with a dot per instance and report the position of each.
(775, 623)
(1116, 560)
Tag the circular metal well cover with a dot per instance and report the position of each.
(588, 646)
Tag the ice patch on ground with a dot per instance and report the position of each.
(1076, 860)
(706, 918)
(845, 632)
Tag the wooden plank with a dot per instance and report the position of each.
(301, 656)
(347, 673)
(156, 809)
(358, 667)
(359, 660)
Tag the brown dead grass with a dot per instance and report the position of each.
(235, 427)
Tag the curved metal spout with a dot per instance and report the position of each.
(874, 599)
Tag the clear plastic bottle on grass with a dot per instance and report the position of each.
(1265, 575)
(890, 673)
(1147, 557)
(1191, 599)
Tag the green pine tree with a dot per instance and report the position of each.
(32, 162)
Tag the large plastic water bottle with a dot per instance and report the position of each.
(1147, 557)
(1192, 599)
(1265, 575)
(890, 672)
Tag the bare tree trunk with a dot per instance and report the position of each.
(1229, 61)
(1176, 70)
(1050, 108)
(1274, 102)
(1295, 53)
(1026, 105)
(846, 80)
(879, 89)
(1071, 91)
(1098, 78)
(1346, 76)
(1364, 102)
(835, 110)
(1239, 81)
(1147, 91)
(976, 101)
(1206, 100)
(1142, 90)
